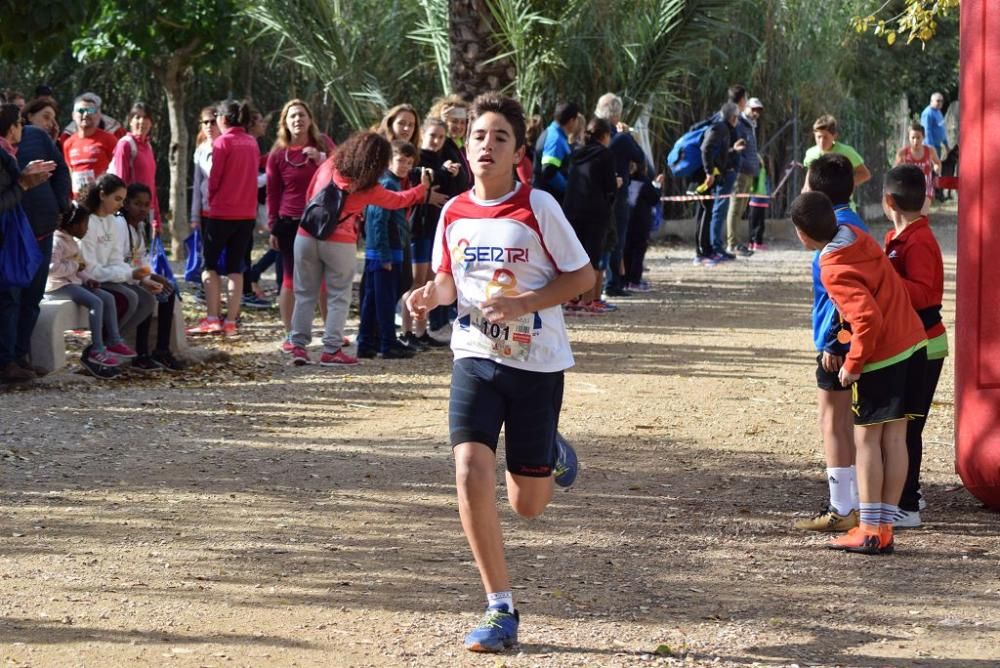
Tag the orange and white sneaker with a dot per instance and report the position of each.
(206, 326)
(865, 539)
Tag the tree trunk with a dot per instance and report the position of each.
(471, 28)
(172, 77)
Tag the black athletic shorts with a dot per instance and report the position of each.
(893, 392)
(233, 236)
(826, 380)
(486, 395)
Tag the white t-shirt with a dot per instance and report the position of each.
(516, 243)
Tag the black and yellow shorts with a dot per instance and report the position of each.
(890, 393)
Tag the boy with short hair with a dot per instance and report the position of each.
(832, 175)
(884, 367)
(510, 257)
(916, 257)
(384, 233)
(826, 135)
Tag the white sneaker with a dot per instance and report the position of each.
(907, 519)
(922, 503)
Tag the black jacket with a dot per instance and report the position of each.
(590, 187)
(45, 203)
(426, 215)
(451, 151)
(717, 148)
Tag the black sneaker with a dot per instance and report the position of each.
(431, 342)
(146, 364)
(96, 369)
(616, 291)
(727, 256)
(412, 342)
(366, 353)
(398, 353)
(167, 361)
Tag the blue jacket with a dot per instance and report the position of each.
(825, 321)
(555, 152)
(749, 159)
(44, 204)
(386, 229)
(934, 131)
(625, 149)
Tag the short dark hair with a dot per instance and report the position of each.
(137, 188)
(404, 148)
(73, 214)
(508, 107)
(236, 112)
(812, 212)
(140, 108)
(10, 115)
(565, 112)
(363, 158)
(908, 187)
(737, 93)
(826, 122)
(598, 129)
(915, 126)
(833, 175)
(37, 105)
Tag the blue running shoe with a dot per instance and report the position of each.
(567, 465)
(496, 632)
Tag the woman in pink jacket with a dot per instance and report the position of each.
(133, 160)
(232, 201)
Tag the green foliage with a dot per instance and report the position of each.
(917, 20)
(37, 30)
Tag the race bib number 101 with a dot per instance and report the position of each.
(509, 339)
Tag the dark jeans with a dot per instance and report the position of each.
(164, 319)
(915, 440)
(635, 248)
(723, 186)
(19, 310)
(614, 279)
(758, 216)
(703, 237)
(257, 269)
(378, 307)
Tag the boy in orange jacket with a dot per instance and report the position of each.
(885, 365)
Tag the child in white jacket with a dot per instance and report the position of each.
(103, 251)
(69, 279)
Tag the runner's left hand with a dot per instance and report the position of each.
(503, 308)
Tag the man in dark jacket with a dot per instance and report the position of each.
(720, 151)
(18, 187)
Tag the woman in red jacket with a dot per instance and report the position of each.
(133, 160)
(232, 200)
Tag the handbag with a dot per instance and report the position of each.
(161, 266)
(194, 262)
(20, 256)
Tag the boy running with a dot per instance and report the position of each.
(916, 257)
(510, 257)
(884, 367)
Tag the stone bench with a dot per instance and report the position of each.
(57, 316)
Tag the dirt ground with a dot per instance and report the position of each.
(255, 514)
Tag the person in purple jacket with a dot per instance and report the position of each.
(232, 201)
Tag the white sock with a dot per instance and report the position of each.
(839, 478)
(500, 598)
(855, 498)
(889, 513)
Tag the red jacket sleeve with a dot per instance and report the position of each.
(390, 199)
(219, 155)
(858, 307)
(275, 188)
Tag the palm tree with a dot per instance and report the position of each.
(476, 63)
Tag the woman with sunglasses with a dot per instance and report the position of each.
(296, 155)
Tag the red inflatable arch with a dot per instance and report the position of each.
(977, 327)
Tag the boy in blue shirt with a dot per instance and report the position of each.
(385, 230)
(554, 164)
(833, 175)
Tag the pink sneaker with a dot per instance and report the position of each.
(300, 356)
(336, 359)
(104, 357)
(287, 347)
(123, 351)
(206, 326)
(229, 328)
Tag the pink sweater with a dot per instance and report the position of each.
(288, 175)
(140, 169)
(67, 266)
(232, 183)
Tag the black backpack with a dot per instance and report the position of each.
(322, 213)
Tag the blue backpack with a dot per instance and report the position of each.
(685, 157)
(20, 256)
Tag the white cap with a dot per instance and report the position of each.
(755, 103)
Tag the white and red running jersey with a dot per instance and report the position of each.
(516, 243)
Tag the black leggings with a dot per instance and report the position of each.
(164, 320)
(703, 240)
